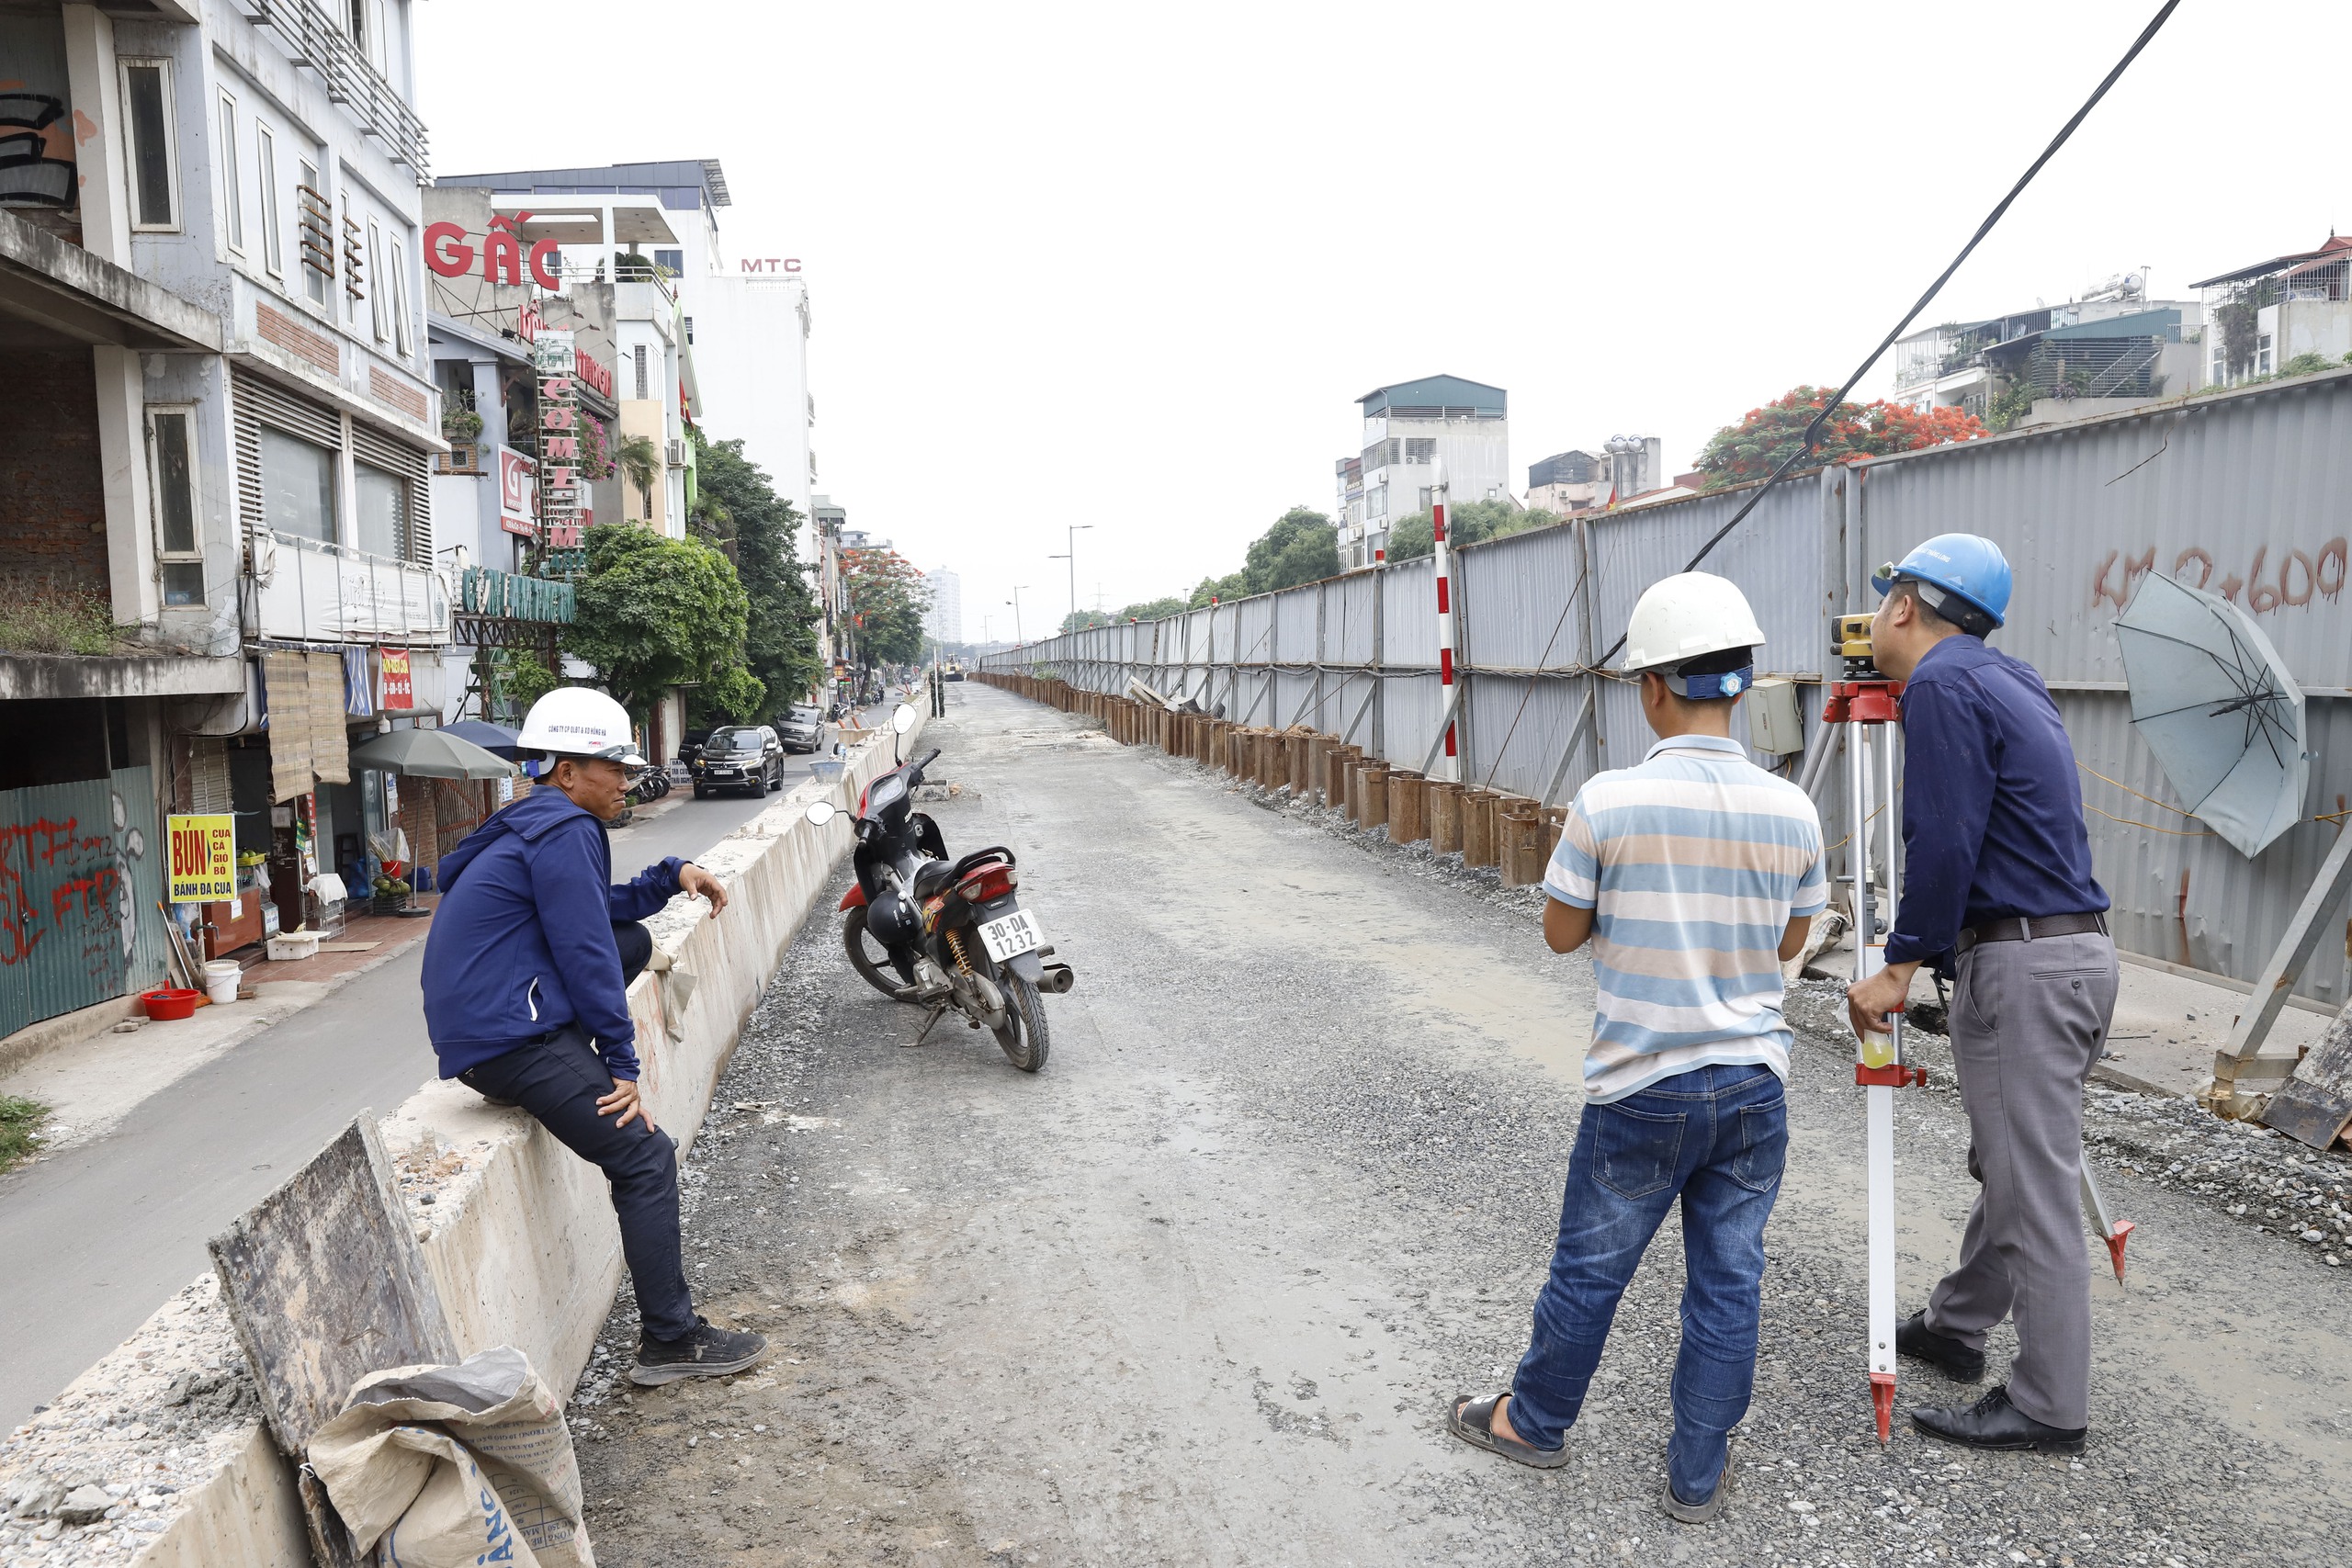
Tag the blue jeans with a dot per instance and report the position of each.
(1717, 1137)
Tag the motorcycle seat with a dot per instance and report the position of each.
(932, 876)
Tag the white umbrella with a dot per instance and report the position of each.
(2218, 707)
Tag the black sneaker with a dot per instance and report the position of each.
(708, 1352)
(1913, 1338)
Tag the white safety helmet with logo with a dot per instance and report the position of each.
(1683, 629)
(574, 721)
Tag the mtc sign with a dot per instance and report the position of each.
(771, 264)
(450, 252)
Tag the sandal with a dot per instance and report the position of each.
(1472, 1421)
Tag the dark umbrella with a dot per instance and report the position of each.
(430, 754)
(495, 738)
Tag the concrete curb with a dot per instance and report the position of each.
(519, 1235)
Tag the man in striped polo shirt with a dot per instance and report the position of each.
(1695, 874)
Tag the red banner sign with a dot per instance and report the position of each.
(400, 686)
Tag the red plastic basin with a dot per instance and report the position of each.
(170, 1002)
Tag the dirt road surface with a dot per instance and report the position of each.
(1198, 1292)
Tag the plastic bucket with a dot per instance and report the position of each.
(220, 978)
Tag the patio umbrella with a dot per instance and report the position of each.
(2218, 707)
(494, 738)
(429, 754)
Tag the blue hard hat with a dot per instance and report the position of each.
(1969, 567)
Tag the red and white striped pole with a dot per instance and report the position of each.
(1441, 558)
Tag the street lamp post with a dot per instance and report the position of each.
(1072, 558)
(1015, 603)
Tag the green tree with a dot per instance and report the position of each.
(1154, 609)
(760, 530)
(1467, 524)
(1301, 547)
(1231, 586)
(655, 612)
(887, 598)
(1084, 621)
(1760, 443)
(734, 695)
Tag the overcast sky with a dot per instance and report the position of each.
(1131, 266)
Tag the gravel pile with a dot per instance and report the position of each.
(94, 1477)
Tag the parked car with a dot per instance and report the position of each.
(739, 757)
(801, 730)
(690, 746)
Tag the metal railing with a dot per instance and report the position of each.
(314, 38)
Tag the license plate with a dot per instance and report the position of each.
(1008, 936)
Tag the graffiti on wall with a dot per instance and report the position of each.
(73, 862)
(2288, 578)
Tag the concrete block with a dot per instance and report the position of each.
(1445, 818)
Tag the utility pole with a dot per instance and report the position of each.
(1015, 603)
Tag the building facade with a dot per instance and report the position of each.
(1407, 428)
(219, 504)
(943, 622)
(2111, 349)
(742, 322)
(2278, 312)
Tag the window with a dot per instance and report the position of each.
(672, 262)
(155, 183)
(298, 487)
(318, 235)
(2221, 376)
(690, 332)
(1375, 502)
(273, 249)
(2262, 355)
(397, 279)
(376, 300)
(643, 392)
(232, 186)
(1419, 449)
(171, 458)
(383, 513)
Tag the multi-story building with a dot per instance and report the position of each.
(945, 620)
(1407, 428)
(2109, 350)
(1625, 467)
(218, 522)
(741, 321)
(2265, 317)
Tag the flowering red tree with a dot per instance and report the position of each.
(1757, 444)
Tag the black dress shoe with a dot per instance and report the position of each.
(1913, 1338)
(1994, 1423)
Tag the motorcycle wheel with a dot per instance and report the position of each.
(1025, 1037)
(871, 959)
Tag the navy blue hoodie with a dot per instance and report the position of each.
(522, 943)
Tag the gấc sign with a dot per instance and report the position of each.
(449, 250)
(203, 858)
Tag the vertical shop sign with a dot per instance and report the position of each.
(203, 858)
(400, 683)
(553, 355)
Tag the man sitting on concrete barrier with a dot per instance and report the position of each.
(526, 1000)
(1695, 873)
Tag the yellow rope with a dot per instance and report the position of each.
(2127, 789)
(2151, 827)
(1849, 838)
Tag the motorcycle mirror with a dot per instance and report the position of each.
(904, 718)
(820, 812)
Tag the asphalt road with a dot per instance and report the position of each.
(1198, 1292)
(98, 1236)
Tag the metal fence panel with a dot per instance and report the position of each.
(1409, 614)
(1350, 613)
(81, 869)
(1518, 601)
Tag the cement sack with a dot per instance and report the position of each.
(453, 1467)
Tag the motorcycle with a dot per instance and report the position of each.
(940, 932)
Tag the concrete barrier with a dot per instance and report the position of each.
(520, 1240)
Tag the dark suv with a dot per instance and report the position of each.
(801, 730)
(743, 757)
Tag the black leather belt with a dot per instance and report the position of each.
(2018, 928)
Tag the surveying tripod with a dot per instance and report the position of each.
(1866, 699)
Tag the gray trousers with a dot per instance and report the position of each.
(2027, 1020)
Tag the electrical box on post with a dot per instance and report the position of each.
(1775, 723)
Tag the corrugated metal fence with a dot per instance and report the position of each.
(2248, 493)
(81, 870)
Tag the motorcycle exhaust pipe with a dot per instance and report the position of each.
(1059, 978)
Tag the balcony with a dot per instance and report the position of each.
(313, 38)
(307, 591)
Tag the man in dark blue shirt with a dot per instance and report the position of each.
(1997, 888)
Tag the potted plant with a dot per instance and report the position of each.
(460, 423)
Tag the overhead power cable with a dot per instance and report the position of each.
(1813, 430)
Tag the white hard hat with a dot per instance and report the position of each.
(574, 721)
(1683, 617)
